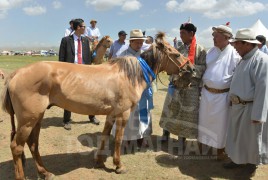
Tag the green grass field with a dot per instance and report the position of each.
(11, 63)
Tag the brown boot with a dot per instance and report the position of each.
(221, 155)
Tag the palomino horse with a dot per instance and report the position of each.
(111, 89)
(101, 48)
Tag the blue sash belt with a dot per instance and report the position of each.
(146, 101)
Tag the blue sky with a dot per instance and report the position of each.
(35, 23)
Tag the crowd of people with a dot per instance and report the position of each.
(223, 107)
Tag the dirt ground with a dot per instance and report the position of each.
(70, 154)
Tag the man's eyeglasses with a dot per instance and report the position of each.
(83, 26)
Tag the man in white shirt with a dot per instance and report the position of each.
(147, 44)
(93, 32)
(69, 31)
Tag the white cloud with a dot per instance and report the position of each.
(3, 14)
(131, 5)
(216, 9)
(104, 5)
(56, 4)
(190, 5)
(6, 5)
(205, 38)
(34, 10)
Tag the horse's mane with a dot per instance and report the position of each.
(101, 41)
(131, 67)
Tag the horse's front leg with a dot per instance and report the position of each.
(120, 127)
(105, 135)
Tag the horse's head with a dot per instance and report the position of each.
(163, 57)
(107, 41)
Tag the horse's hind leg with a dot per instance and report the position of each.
(120, 126)
(33, 143)
(17, 147)
(105, 135)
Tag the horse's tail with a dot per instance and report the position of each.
(8, 107)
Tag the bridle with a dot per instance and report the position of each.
(157, 55)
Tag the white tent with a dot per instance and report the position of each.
(260, 29)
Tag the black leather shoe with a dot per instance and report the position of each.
(94, 120)
(165, 136)
(232, 165)
(250, 169)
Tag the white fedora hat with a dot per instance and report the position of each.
(136, 34)
(247, 35)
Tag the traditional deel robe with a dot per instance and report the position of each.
(247, 142)
(213, 112)
(180, 111)
(138, 126)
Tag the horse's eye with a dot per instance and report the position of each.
(178, 55)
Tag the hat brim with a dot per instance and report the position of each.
(143, 38)
(249, 41)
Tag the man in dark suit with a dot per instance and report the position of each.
(75, 49)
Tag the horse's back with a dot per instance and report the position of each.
(84, 89)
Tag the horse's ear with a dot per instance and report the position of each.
(159, 39)
(159, 43)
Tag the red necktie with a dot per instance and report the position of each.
(79, 51)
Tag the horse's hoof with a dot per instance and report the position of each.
(99, 165)
(50, 176)
(120, 170)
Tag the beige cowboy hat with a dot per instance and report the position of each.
(93, 20)
(247, 35)
(224, 29)
(136, 34)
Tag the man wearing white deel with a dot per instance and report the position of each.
(139, 125)
(221, 61)
(247, 137)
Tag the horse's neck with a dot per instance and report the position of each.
(99, 54)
